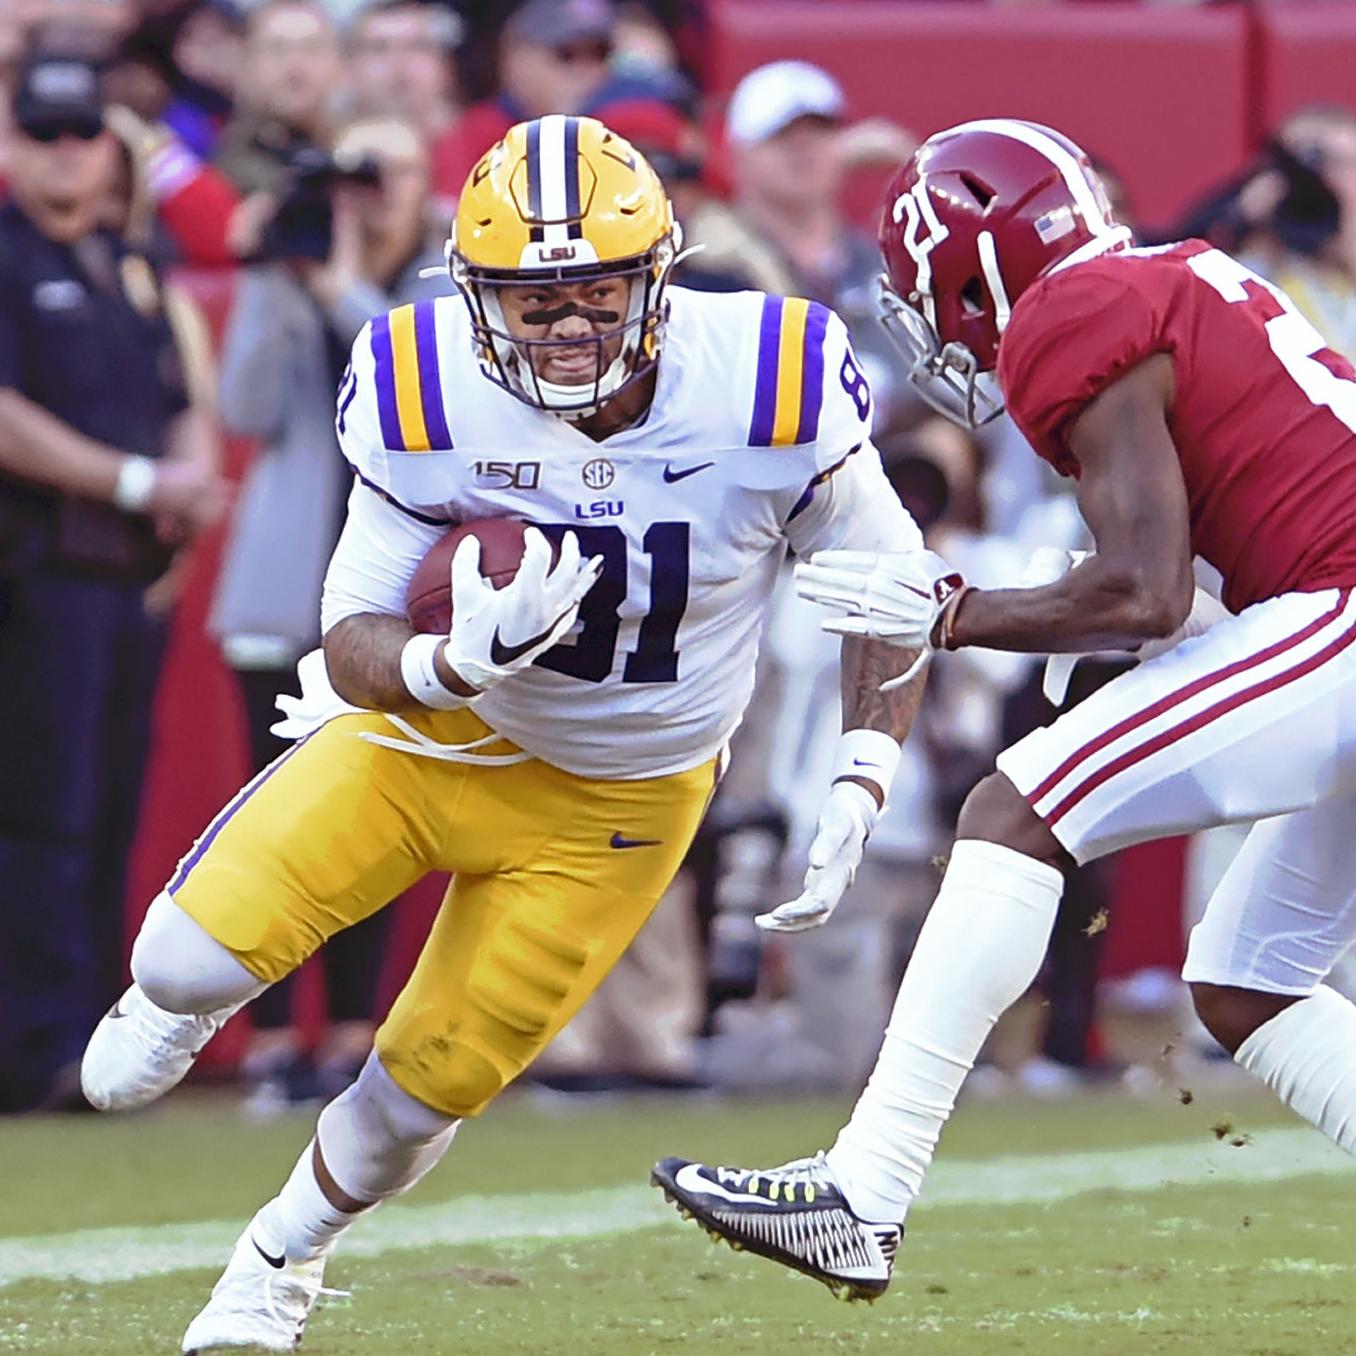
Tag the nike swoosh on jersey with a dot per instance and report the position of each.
(672, 477)
(277, 1262)
(620, 841)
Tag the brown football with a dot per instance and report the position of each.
(428, 599)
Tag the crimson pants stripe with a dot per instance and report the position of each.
(1192, 689)
(1203, 718)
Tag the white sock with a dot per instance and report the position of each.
(377, 1142)
(1306, 1055)
(979, 950)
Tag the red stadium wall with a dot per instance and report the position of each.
(1160, 95)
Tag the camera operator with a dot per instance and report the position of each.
(1292, 217)
(348, 241)
(106, 463)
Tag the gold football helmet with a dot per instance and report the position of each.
(562, 200)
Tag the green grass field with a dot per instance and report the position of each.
(1109, 1224)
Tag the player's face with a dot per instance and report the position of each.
(571, 317)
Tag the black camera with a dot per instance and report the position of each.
(303, 226)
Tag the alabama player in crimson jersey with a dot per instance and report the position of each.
(1200, 414)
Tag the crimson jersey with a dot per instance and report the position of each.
(1264, 416)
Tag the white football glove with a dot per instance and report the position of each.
(497, 632)
(894, 596)
(845, 823)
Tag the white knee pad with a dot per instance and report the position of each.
(181, 968)
(377, 1140)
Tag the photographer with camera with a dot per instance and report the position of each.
(1291, 217)
(347, 242)
(285, 100)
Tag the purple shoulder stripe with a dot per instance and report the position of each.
(812, 374)
(765, 382)
(430, 379)
(387, 409)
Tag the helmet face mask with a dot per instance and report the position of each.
(557, 203)
(947, 376)
(622, 353)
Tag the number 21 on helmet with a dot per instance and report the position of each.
(979, 213)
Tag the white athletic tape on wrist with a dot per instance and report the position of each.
(870, 754)
(420, 676)
(135, 484)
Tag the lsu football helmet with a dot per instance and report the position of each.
(562, 200)
(970, 222)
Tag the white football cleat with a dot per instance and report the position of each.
(261, 1300)
(138, 1052)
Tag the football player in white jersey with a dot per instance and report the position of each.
(557, 749)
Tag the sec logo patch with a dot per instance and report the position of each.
(599, 473)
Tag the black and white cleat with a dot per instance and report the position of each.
(794, 1214)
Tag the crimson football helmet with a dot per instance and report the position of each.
(970, 222)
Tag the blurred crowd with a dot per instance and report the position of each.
(311, 151)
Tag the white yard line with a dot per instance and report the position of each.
(103, 1255)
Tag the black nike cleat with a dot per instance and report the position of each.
(794, 1214)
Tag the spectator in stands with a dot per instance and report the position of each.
(400, 62)
(295, 319)
(553, 58)
(287, 93)
(784, 126)
(106, 463)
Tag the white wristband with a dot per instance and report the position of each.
(421, 678)
(870, 754)
(135, 484)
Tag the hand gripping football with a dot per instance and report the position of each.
(428, 599)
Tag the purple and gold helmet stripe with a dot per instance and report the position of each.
(409, 386)
(789, 383)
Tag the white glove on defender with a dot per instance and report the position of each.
(895, 596)
(497, 632)
(845, 823)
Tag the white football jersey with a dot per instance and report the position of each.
(758, 437)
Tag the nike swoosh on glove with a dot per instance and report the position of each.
(845, 823)
(497, 632)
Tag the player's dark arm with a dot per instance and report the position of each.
(362, 654)
(864, 666)
(1138, 585)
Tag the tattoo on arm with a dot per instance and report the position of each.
(362, 654)
(866, 664)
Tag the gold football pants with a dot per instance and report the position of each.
(553, 876)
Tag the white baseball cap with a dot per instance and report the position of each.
(774, 96)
